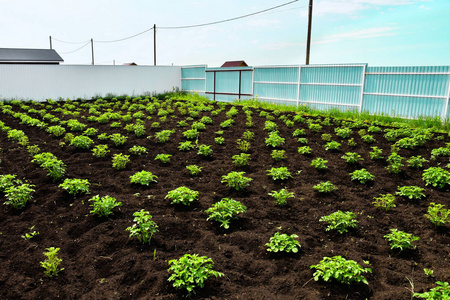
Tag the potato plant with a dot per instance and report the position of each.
(340, 269)
(143, 178)
(75, 186)
(281, 196)
(224, 211)
(144, 227)
(18, 195)
(340, 221)
(119, 161)
(283, 243)
(182, 195)
(52, 262)
(236, 180)
(401, 240)
(103, 206)
(437, 214)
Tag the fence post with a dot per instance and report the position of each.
(298, 87)
(363, 83)
(444, 116)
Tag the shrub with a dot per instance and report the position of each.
(412, 192)
(100, 150)
(194, 170)
(340, 221)
(143, 178)
(437, 214)
(325, 187)
(119, 161)
(340, 269)
(103, 206)
(362, 176)
(51, 264)
(401, 240)
(281, 196)
(236, 180)
(384, 201)
(241, 160)
(190, 271)
(144, 227)
(281, 173)
(436, 177)
(18, 195)
(224, 211)
(283, 243)
(75, 186)
(182, 195)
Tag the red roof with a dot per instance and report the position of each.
(236, 63)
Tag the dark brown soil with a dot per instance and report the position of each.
(101, 261)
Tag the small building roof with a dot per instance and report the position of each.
(130, 64)
(235, 63)
(29, 56)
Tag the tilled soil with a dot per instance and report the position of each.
(101, 261)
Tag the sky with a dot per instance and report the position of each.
(377, 32)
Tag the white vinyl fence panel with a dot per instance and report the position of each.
(40, 82)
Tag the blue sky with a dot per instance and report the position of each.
(377, 32)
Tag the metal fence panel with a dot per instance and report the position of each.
(193, 79)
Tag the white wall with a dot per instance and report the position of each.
(40, 82)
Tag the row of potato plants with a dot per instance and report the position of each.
(432, 176)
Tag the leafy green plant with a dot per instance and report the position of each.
(401, 240)
(384, 201)
(437, 214)
(344, 132)
(220, 140)
(352, 157)
(281, 196)
(248, 135)
(82, 142)
(270, 126)
(143, 178)
(362, 176)
(163, 157)
(411, 192)
(186, 146)
(137, 150)
(340, 269)
(325, 187)
(144, 227)
(298, 132)
(119, 161)
(395, 163)
(376, 153)
(75, 125)
(189, 272)
(236, 180)
(194, 170)
(118, 139)
(416, 162)
(100, 151)
(52, 262)
(278, 155)
(314, 127)
(333, 145)
(227, 123)
(281, 173)
(224, 211)
(429, 272)
(319, 163)
(182, 195)
(7, 181)
(31, 234)
(326, 137)
(368, 138)
(90, 131)
(241, 160)
(164, 135)
(283, 243)
(33, 150)
(340, 221)
(191, 134)
(243, 145)
(18, 195)
(436, 176)
(440, 292)
(56, 130)
(75, 186)
(103, 206)
(204, 150)
(274, 140)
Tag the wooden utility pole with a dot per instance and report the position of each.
(154, 44)
(50, 38)
(308, 40)
(92, 50)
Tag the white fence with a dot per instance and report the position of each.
(40, 82)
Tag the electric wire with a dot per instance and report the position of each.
(126, 38)
(68, 42)
(77, 48)
(231, 19)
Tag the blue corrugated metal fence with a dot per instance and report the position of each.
(408, 92)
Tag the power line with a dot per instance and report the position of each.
(231, 19)
(69, 42)
(77, 48)
(126, 38)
